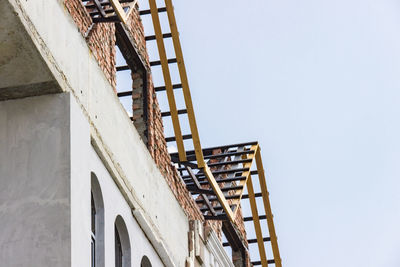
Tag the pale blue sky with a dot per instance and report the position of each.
(317, 83)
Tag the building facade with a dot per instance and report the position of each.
(83, 182)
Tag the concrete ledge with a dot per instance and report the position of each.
(34, 89)
(23, 72)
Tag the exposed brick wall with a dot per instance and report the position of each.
(239, 222)
(158, 150)
(142, 114)
(136, 28)
(155, 129)
(100, 38)
(139, 104)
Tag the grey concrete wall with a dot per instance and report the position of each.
(34, 182)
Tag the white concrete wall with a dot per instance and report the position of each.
(84, 161)
(114, 205)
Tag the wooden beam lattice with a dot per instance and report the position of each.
(206, 170)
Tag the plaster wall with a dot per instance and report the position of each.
(34, 182)
(114, 205)
(84, 162)
(46, 163)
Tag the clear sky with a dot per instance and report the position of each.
(317, 83)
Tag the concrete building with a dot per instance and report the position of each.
(80, 184)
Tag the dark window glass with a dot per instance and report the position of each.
(93, 216)
(145, 262)
(93, 240)
(93, 247)
(118, 249)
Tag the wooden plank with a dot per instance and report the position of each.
(185, 83)
(267, 208)
(167, 80)
(131, 8)
(119, 10)
(256, 220)
(217, 190)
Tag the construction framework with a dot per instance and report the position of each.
(109, 10)
(232, 168)
(217, 177)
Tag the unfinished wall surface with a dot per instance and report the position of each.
(46, 165)
(147, 181)
(100, 38)
(67, 55)
(23, 72)
(155, 130)
(34, 182)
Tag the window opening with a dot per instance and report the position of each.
(118, 249)
(132, 80)
(96, 224)
(93, 238)
(145, 262)
(122, 243)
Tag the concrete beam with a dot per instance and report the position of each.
(23, 72)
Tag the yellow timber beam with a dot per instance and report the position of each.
(131, 8)
(267, 208)
(167, 80)
(246, 174)
(119, 10)
(185, 83)
(218, 192)
(256, 220)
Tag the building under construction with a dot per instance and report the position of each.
(88, 180)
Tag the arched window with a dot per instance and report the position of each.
(122, 244)
(145, 262)
(97, 224)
